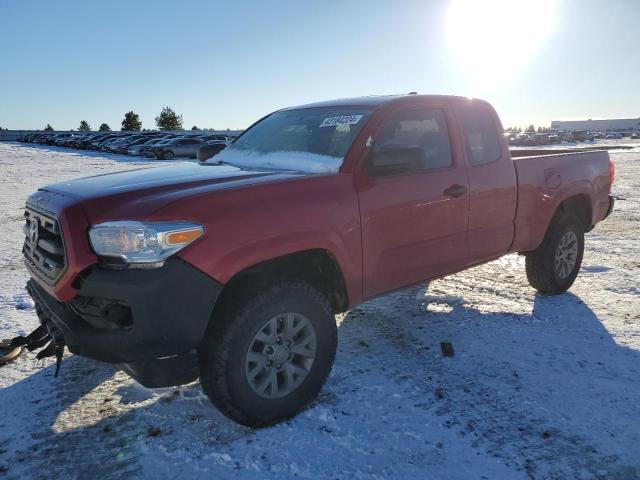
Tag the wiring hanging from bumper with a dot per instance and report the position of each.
(47, 335)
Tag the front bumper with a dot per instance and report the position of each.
(151, 322)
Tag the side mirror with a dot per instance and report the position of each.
(395, 160)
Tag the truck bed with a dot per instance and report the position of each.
(547, 179)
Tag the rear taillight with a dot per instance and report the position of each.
(612, 172)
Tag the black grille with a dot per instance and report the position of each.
(43, 246)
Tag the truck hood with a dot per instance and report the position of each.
(144, 190)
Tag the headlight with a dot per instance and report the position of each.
(142, 244)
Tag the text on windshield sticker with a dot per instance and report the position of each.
(343, 120)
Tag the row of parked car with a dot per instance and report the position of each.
(550, 138)
(150, 144)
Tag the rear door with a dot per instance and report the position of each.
(492, 181)
(414, 224)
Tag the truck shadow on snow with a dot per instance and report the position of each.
(518, 388)
(548, 389)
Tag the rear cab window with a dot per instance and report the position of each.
(480, 134)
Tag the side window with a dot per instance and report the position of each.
(481, 135)
(423, 128)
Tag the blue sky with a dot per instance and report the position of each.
(225, 64)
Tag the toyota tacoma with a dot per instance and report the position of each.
(232, 270)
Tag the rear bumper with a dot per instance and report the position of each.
(612, 202)
(151, 322)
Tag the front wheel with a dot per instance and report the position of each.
(554, 265)
(168, 155)
(265, 359)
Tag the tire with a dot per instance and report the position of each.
(168, 155)
(544, 273)
(229, 345)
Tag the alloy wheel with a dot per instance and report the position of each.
(566, 255)
(280, 355)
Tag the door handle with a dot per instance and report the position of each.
(455, 191)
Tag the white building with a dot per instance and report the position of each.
(610, 124)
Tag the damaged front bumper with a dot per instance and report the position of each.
(149, 322)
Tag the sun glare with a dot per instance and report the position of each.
(492, 39)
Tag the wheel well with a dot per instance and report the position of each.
(580, 206)
(316, 267)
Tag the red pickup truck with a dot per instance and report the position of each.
(232, 269)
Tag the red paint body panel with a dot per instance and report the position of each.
(246, 226)
(544, 182)
(385, 233)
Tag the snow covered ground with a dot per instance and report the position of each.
(539, 387)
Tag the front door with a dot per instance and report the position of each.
(414, 223)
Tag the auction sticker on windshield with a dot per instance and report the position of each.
(342, 120)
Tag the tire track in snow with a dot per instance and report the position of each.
(498, 424)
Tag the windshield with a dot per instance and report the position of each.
(308, 140)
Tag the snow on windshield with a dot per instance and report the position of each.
(280, 160)
(311, 140)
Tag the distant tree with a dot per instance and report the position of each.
(530, 129)
(169, 120)
(84, 126)
(194, 128)
(131, 122)
(48, 128)
(104, 128)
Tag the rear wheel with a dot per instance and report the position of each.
(168, 155)
(554, 265)
(265, 359)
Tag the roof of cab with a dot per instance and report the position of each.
(370, 101)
